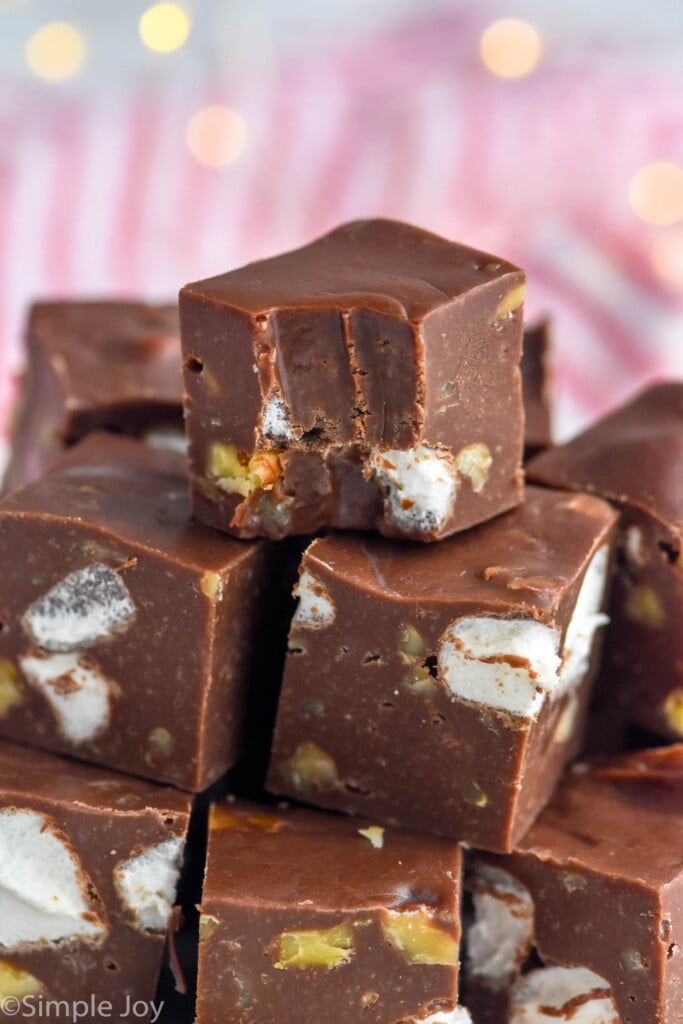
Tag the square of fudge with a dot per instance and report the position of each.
(444, 688)
(313, 917)
(536, 388)
(95, 366)
(585, 917)
(89, 868)
(634, 458)
(367, 381)
(126, 628)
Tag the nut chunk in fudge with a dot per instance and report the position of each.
(95, 366)
(634, 458)
(89, 867)
(444, 688)
(367, 381)
(590, 899)
(314, 917)
(125, 627)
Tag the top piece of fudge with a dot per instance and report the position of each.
(634, 457)
(367, 381)
(595, 889)
(92, 366)
(315, 917)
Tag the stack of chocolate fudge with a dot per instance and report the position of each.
(379, 781)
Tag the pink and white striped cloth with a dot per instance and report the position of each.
(99, 194)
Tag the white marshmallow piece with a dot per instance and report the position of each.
(315, 608)
(275, 423)
(457, 1016)
(86, 606)
(168, 439)
(41, 884)
(148, 883)
(502, 934)
(509, 664)
(78, 694)
(555, 995)
(419, 486)
(635, 546)
(514, 664)
(586, 620)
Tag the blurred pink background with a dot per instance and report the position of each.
(111, 183)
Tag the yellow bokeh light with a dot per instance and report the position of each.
(56, 51)
(656, 193)
(510, 48)
(216, 135)
(667, 257)
(164, 27)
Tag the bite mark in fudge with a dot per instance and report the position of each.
(633, 458)
(89, 868)
(592, 893)
(95, 366)
(461, 670)
(302, 915)
(367, 381)
(128, 628)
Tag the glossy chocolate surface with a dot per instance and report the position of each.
(94, 366)
(176, 669)
(103, 819)
(271, 873)
(387, 267)
(377, 337)
(365, 703)
(634, 457)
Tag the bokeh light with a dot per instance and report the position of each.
(216, 135)
(56, 51)
(667, 257)
(164, 27)
(510, 48)
(656, 193)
